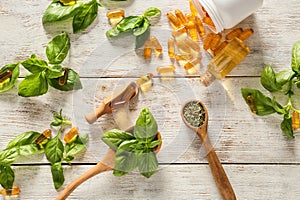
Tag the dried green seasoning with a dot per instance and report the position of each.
(194, 114)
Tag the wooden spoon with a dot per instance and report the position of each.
(106, 164)
(216, 168)
(121, 98)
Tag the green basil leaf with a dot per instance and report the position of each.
(57, 12)
(284, 76)
(129, 23)
(23, 139)
(57, 175)
(296, 57)
(86, 17)
(147, 163)
(268, 79)
(33, 85)
(141, 39)
(78, 145)
(7, 176)
(6, 85)
(29, 149)
(35, 65)
(73, 82)
(154, 144)
(58, 48)
(125, 161)
(152, 12)
(286, 127)
(278, 108)
(54, 150)
(114, 138)
(113, 32)
(259, 104)
(54, 72)
(8, 156)
(145, 128)
(142, 29)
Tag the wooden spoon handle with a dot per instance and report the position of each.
(218, 172)
(93, 116)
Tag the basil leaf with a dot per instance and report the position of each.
(57, 12)
(141, 29)
(147, 163)
(125, 160)
(29, 149)
(33, 85)
(58, 48)
(35, 65)
(268, 79)
(152, 12)
(54, 72)
(261, 104)
(284, 76)
(7, 176)
(23, 139)
(114, 138)
(141, 39)
(54, 150)
(15, 68)
(86, 17)
(73, 82)
(8, 156)
(286, 127)
(76, 146)
(57, 175)
(154, 144)
(129, 23)
(145, 128)
(296, 57)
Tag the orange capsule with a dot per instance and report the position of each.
(191, 43)
(215, 41)
(115, 13)
(170, 68)
(183, 57)
(181, 17)
(207, 41)
(171, 48)
(295, 120)
(246, 33)
(193, 31)
(63, 79)
(71, 134)
(157, 46)
(190, 17)
(147, 49)
(192, 63)
(208, 21)
(192, 8)
(234, 33)
(252, 104)
(10, 192)
(43, 136)
(6, 74)
(220, 47)
(173, 20)
(199, 26)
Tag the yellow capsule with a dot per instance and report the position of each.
(6, 74)
(246, 33)
(181, 17)
(215, 41)
(190, 64)
(295, 120)
(207, 41)
(43, 136)
(190, 17)
(208, 21)
(191, 43)
(234, 33)
(251, 103)
(173, 20)
(192, 8)
(67, 2)
(170, 68)
(157, 46)
(220, 47)
(115, 13)
(71, 134)
(183, 57)
(145, 78)
(63, 79)
(10, 192)
(193, 31)
(182, 46)
(171, 48)
(147, 49)
(199, 26)
(179, 33)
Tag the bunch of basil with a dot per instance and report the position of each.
(42, 72)
(284, 83)
(138, 25)
(135, 149)
(54, 149)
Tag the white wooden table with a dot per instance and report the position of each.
(260, 162)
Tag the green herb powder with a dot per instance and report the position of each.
(194, 114)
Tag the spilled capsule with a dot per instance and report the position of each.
(6, 74)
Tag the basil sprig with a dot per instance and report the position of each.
(83, 13)
(285, 83)
(135, 150)
(55, 150)
(139, 26)
(43, 73)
